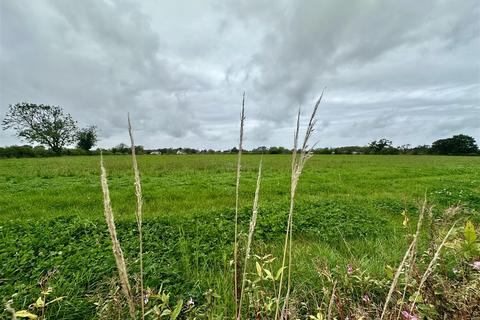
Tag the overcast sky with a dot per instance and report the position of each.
(405, 70)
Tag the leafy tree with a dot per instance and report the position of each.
(458, 144)
(122, 148)
(422, 149)
(380, 145)
(46, 125)
(278, 150)
(261, 149)
(87, 138)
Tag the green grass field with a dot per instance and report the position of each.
(348, 212)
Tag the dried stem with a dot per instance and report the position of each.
(9, 309)
(237, 190)
(431, 265)
(410, 251)
(330, 304)
(298, 162)
(251, 230)
(117, 250)
(138, 212)
(411, 260)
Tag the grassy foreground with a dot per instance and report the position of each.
(348, 213)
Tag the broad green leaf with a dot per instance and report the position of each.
(279, 273)
(405, 218)
(165, 312)
(177, 310)
(39, 303)
(25, 314)
(470, 236)
(389, 272)
(259, 269)
(416, 298)
(269, 274)
(48, 291)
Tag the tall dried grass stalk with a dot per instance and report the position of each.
(298, 162)
(431, 265)
(410, 252)
(237, 203)
(411, 260)
(9, 309)
(138, 212)
(117, 250)
(330, 304)
(251, 230)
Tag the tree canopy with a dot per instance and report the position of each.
(43, 124)
(458, 144)
(87, 138)
(380, 145)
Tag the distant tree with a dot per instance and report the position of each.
(350, 150)
(46, 125)
(322, 151)
(278, 150)
(261, 149)
(405, 148)
(87, 138)
(380, 146)
(422, 149)
(122, 148)
(458, 144)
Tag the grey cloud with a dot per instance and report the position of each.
(406, 70)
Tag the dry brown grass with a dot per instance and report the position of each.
(251, 230)
(298, 162)
(237, 203)
(138, 213)
(117, 250)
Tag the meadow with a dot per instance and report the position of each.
(350, 212)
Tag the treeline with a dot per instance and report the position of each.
(28, 151)
(49, 126)
(456, 145)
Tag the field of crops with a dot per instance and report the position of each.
(349, 211)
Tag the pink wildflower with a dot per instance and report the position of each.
(349, 269)
(476, 265)
(409, 316)
(366, 298)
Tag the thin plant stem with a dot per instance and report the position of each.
(138, 214)
(117, 249)
(410, 251)
(431, 265)
(330, 304)
(10, 309)
(411, 260)
(237, 203)
(251, 230)
(298, 162)
(294, 165)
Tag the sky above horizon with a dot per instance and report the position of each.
(408, 70)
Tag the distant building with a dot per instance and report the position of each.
(180, 152)
(155, 152)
